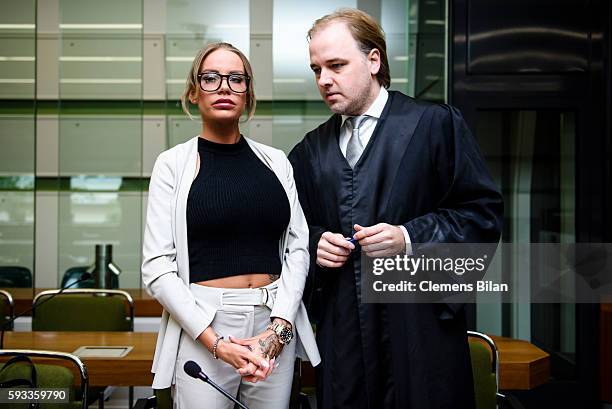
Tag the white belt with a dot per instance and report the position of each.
(256, 296)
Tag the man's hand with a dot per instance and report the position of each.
(380, 240)
(268, 346)
(333, 250)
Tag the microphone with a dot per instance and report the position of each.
(193, 369)
(85, 276)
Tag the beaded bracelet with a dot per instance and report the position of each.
(215, 345)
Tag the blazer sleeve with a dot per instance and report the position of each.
(159, 266)
(471, 209)
(295, 259)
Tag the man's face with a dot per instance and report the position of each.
(344, 75)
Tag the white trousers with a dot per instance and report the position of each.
(245, 313)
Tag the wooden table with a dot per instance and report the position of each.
(522, 365)
(144, 305)
(134, 369)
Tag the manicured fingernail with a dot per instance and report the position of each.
(265, 364)
(276, 366)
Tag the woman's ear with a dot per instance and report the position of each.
(193, 98)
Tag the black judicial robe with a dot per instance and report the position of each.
(421, 168)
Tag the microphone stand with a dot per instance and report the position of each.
(193, 369)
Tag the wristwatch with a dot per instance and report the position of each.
(285, 335)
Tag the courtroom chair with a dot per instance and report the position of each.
(74, 274)
(7, 309)
(15, 276)
(85, 309)
(485, 371)
(48, 375)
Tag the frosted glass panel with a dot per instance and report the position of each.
(101, 49)
(17, 228)
(17, 48)
(90, 218)
(17, 138)
(17, 142)
(101, 145)
(191, 24)
(289, 130)
(394, 22)
(181, 129)
(293, 78)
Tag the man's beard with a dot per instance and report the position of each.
(354, 106)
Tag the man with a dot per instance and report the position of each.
(392, 173)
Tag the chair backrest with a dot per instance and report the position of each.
(50, 375)
(15, 276)
(83, 310)
(485, 359)
(7, 309)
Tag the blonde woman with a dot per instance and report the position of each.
(225, 250)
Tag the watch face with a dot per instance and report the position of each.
(285, 335)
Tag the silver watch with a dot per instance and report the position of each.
(284, 332)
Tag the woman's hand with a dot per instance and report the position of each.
(267, 345)
(243, 358)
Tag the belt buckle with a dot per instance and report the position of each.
(265, 295)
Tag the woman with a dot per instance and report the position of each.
(225, 250)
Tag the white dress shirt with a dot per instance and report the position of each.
(365, 133)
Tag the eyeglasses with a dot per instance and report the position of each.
(211, 81)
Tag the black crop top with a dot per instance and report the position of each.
(237, 211)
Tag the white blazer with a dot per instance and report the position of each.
(165, 266)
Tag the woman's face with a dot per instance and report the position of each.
(222, 105)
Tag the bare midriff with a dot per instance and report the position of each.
(241, 281)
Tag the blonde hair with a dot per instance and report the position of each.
(367, 33)
(193, 87)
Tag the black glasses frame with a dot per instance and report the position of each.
(226, 77)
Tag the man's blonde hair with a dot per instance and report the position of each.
(192, 87)
(367, 33)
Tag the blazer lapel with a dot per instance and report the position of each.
(187, 159)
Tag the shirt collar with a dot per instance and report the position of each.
(375, 110)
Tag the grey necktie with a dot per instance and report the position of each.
(354, 148)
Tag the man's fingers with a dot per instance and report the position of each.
(333, 249)
(382, 245)
(379, 253)
(337, 258)
(325, 259)
(329, 264)
(363, 232)
(336, 239)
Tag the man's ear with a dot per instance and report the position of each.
(374, 61)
